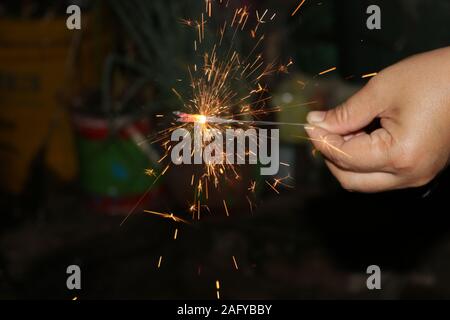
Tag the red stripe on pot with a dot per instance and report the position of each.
(99, 129)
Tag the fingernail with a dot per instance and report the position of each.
(315, 117)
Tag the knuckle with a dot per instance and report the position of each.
(406, 161)
(342, 114)
(381, 144)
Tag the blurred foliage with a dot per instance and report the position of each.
(162, 47)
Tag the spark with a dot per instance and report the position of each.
(226, 208)
(285, 68)
(250, 204)
(281, 182)
(209, 8)
(369, 75)
(302, 84)
(235, 263)
(252, 187)
(326, 143)
(272, 187)
(177, 94)
(160, 261)
(187, 22)
(298, 8)
(162, 159)
(169, 216)
(331, 146)
(175, 234)
(165, 170)
(327, 71)
(218, 289)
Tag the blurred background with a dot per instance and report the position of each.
(75, 104)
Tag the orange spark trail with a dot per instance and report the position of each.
(369, 75)
(218, 289)
(272, 187)
(329, 145)
(169, 216)
(235, 263)
(327, 71)
(226, 208)
(298, 8)
(159, 261)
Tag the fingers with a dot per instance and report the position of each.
(362, 152)
(364, 182)
(353, 115)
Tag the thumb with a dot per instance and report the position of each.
(351, 116)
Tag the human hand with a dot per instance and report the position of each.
(411, 99)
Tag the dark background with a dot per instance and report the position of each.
(313, 241)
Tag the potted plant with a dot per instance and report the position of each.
(116, 122)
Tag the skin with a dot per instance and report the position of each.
(411, 99)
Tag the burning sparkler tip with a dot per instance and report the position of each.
(190, 118)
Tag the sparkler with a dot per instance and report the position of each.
(228, 89)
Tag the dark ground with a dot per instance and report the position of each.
(291, 248)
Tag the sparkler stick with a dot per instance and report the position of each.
(202, 119)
